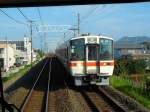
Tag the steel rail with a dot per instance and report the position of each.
(31, 90)
(113, 102)
(48, 87)
(90, 103)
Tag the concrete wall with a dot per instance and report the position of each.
(9, 57)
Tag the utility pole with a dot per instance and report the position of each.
(78, 24)
(64, 35)
(30, 22)
(41, 44)
(45, 43)
(1, 92)
(6, 53)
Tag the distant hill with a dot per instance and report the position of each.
(131, 42)
(136, 40)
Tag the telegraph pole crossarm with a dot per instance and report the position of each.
(74, 29)
(78, 26)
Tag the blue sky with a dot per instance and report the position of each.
(113, 20)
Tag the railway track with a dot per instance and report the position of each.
(51, 92)
(37, 98)
(16, 93)
(44, 91)
(99, 101)
(57, 90)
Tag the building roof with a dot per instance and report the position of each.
(3, 45)
(1, 41)
(146, 43)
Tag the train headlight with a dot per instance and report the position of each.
(79, 64)
(105, 64)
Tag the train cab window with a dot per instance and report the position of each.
(106, 49)
(92, 52)
(77, 49)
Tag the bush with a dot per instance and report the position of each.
(120, 68)
(147, 82)
(129, 66)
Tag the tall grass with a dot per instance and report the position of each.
(128, 87)
(20, 72)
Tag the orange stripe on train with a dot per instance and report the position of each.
(91, 64)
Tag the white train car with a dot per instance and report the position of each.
(89, 59)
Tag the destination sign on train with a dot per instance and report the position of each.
(92, 40)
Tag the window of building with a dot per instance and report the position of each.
(1, 50)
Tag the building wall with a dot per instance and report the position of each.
(130, 51)
(146, 48)
(9, 57)
(22, 50)
(27, 45)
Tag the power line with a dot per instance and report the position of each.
(19, 22)
(27, 18)
(40, 16)
(36, 27)
(90, 12)
(23, 15)
(45, 36)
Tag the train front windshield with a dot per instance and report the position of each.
(92, 52)
(106, 49)
(77, 49)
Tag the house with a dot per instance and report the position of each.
(22, 50)
(137, 47)
(146, 47)
(7, 56)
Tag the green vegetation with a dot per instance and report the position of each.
(20, 72)
(147, 82)
(132, 79)
(129, 66)
(128, 87)
(40, 54)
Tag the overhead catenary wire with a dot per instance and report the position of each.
(90, 12)
(23, 15)
(17, 21)
(45, 36)
(36, 28)
(39, 12)
(27, 18)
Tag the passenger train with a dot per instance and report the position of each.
(89, 59)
